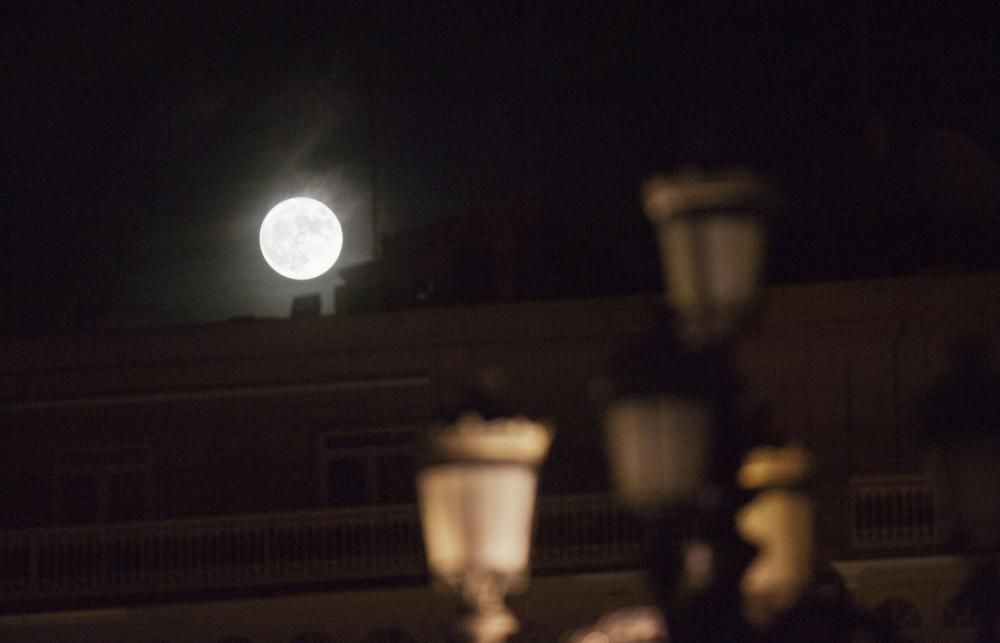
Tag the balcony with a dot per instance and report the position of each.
(326, 547)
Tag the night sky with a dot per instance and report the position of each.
(142, 143)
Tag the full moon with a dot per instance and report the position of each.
(301, 238)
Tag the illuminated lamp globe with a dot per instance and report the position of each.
(477, 503)
(301, 238)
(711, 233)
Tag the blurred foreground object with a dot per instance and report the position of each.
(779, 522)
(659, 448)
(477, 501)
(730, 532)
(711, 231)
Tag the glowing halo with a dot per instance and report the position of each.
(301, 238)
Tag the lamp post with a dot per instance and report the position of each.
(674, 446)
(730, 527)
(675, 442)
(711, 232)
(477, 498)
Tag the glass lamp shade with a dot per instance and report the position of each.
(658, 447)
(711, 237)
(477, 516)
(477, 497)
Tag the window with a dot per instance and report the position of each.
(102, 485)
(370, 467)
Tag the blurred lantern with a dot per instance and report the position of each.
(710, 229)
(661, 418)
(779, 522)
(477, 501)
(658, 447)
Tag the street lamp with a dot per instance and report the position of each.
(674, 446)
(477, 500)
(662, 416)
(662, 425)
(674, 441)
(659, 447)
(710, 229)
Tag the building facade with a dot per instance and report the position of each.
(265, 467)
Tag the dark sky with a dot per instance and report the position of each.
(142, 143)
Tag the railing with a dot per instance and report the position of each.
(585, 531)
(895, 512)
(581, 532)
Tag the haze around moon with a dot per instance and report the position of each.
(301, 238)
